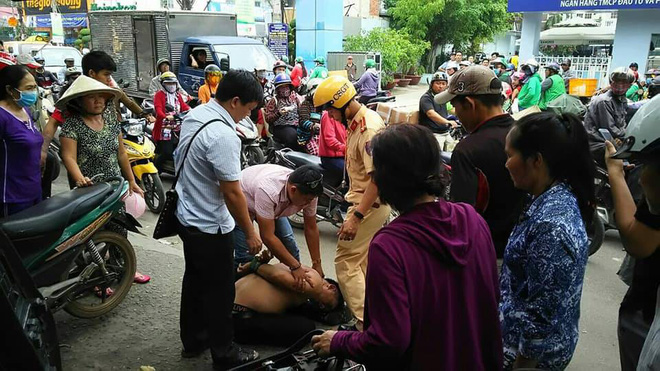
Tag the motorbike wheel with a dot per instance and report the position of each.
(297, 220)
(154, 194)
(254, 156)
(119, 258)
(595, 234)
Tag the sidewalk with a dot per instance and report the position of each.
(410, 95)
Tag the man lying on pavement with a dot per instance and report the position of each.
(268, 309)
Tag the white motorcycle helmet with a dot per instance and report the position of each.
(643, 132)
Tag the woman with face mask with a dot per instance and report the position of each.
(282, 113)
(20, 175)
(167, 102)
(212, 76)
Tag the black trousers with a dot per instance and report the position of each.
(281, 330)
(288, 136)
(165, 150)
(207, 293)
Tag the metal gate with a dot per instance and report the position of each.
(584, 67)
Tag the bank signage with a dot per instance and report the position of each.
(33, 7)
(566, 5)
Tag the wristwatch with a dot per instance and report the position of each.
(358, 215)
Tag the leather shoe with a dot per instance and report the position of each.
(237, 356)
(192, 353)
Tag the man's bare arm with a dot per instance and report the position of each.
(280, 276)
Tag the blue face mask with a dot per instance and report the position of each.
(27, 99)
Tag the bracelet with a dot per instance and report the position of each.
(358, 215)
(296, 268)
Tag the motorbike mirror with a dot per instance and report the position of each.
(169, 107)
(224, 64)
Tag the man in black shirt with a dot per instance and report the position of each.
(479, 176)
(434, 115)
(640, 231)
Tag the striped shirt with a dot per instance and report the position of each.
(264, 187)
(214, 157)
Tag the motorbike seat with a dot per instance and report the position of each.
(55, 213)
(302, 159)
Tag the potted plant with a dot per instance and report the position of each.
(387, 81)
(403, 82)
(415, 74)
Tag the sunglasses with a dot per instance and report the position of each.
(315, 183)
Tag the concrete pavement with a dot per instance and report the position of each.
(143, 330)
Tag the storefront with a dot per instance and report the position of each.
(636, 29)
(74, 17)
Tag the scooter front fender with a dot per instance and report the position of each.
(141, 169)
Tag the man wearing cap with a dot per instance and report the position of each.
(479, 176)
(351, 68)
(567, 73)
(274, 193)
(68, 63)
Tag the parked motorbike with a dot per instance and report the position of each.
(72, 261)
(141, 152)
(332, 206)
(173, 130)
(251, 151)
(381, 97)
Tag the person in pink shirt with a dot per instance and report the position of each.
(299, 72)
(332, 146)
(273, 193)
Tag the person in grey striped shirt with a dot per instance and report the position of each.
(211, 202)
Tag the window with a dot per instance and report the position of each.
(588, 16)
(194, 51)
(614, 15)
(249, 57)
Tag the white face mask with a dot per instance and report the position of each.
(170, 88)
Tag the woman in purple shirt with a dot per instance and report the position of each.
(432, 286)
(20, 176)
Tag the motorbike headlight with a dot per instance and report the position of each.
(135, 130)
(149, 146)
(132, 150)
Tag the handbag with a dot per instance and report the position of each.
(167, 221)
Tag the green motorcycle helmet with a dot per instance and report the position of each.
(299, 59)
(370, 63)
(320, 60)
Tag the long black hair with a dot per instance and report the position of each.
(11, 76)
(563, 143)
(407, 165)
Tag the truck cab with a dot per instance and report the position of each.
(237, 53)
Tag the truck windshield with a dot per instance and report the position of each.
(246, 56)
(56, 56)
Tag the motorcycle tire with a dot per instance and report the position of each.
(254, 156)
(154, 194)
(121, 250)
(595, 234)
(297, 220)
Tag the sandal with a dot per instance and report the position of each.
(108, 292)
(141, 278)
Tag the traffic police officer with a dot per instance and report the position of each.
(366, 215)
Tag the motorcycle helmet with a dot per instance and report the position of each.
(168, 77)
(530, 65)
(320, 60)
(654, 87)
(282, 79)
(161, 61)
(72, 71)
(299, 59)
(642, 133)
(566, 62)
(622, 74)
(335, 91)
(212, 70)
(553, 66)
(370, 63)
(310, 87)
(465, 63)
(439, 76)
(510, 67)
(452, 65)
(279, 64)
(6, 59)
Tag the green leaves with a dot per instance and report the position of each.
(399, 50)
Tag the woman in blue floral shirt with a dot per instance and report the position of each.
(545, 259)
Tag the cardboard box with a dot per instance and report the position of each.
(395, 113)
(518, 115)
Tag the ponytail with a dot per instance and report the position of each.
(564, 145)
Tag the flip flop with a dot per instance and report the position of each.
(108, 292)
(141, 278)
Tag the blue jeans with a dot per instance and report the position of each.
(283, 231)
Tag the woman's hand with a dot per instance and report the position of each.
(614, 166)
(134, 188)
(169, 117)
(84, 182)
(349, 229)
(321, 343)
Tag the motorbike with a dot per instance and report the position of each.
(604, 218)
(251, 150)
(141, 152)
(381, 97)
(173, 130)
(332, 206)
(75, 263)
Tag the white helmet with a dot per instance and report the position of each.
(643, 131)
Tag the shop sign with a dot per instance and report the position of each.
(33, 7)
(68, 20)
(278, 38)
(566, 5)
(119, 6)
